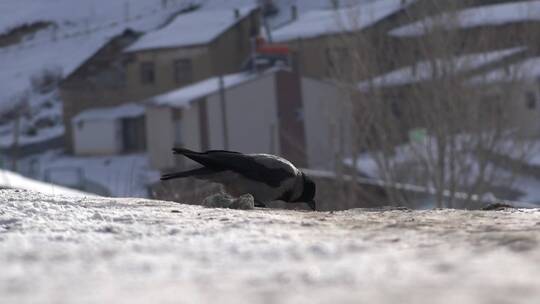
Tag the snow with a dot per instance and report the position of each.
(44, 134)
(110, 113)
(83, 28)
(528, 69)
(196, 28)
(323, 22)
(118, 176)
(423, 70)
(13, 180)
(183, 97)
(103, 250)
(69, 12)
(485, 15)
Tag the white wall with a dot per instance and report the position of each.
(251, 117)
(326, 130)
(190, 127)
(160, 137)
(97, 137)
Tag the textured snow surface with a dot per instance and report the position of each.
(103, 250)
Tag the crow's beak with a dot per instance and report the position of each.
(311, 205)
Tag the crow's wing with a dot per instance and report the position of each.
(197, 173)
(263, 168)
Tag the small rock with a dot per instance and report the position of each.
(497, 206)
(244, 202)
(97, 216)
(219, 200)
(176, 211)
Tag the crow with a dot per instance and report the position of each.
(267, 177)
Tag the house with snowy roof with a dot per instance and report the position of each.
(273, 111)
(276, 111)
(518, 83)
(316, 37)
(503, 81)
(469, 27)
(193, 46)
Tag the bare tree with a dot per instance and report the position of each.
(426, 123)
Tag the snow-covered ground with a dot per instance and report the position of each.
(10, 180)
(119, 176)
(55, 249)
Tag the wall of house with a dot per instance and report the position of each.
(251, 118)
(325, 119)
(97, 137)
(524, 110)
(160, 137)
(191, 127)
(230, 51)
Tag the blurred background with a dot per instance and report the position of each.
(414, 103)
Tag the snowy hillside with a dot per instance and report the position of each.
(55, 249)
(75, 31)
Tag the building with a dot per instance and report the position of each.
(193, 46)
(109, 131)
(276, 111)
(316, 37)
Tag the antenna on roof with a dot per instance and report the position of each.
(294, 12)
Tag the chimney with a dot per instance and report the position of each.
(294, 12)
(236, 13)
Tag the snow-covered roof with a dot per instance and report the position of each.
(322, 22)
(196, 28)
(423, 70)
(485, 15)
(182, 97)
(528, 69)
(110, 113)
(13, 180)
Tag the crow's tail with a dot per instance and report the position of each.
(194, 173)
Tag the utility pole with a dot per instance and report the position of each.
(223, 102)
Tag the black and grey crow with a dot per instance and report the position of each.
(267, 177)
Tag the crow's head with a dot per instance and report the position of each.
(308, 193)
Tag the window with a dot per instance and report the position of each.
(530, 100)
(133, 134)
(183, 71)
(396, 110)
(147, 73)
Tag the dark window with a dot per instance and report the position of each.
(133, 134)
(147, 72)
(240, 37)
(394, 107)
(183, 71)
(530, 100)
